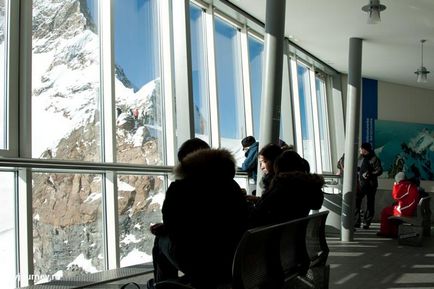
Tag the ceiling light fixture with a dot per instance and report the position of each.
(373, 8)
(422, 72)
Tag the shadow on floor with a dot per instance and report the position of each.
(379, 263)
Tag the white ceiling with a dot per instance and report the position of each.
(391, 49)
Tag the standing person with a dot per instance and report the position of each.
(406, 195)
(369, 168)
(200, 235)
(250, 164)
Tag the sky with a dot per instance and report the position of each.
(135, 38)
(137, 49)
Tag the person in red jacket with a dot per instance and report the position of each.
(405, 192)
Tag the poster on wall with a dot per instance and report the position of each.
(401, 145)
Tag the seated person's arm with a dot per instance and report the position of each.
(158, 229)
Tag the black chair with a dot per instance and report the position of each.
(318, 251)
(412, 229)
(171, 285)
(256, 262)
(293, 255)
(278, 256)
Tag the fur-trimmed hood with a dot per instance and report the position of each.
(206, 163)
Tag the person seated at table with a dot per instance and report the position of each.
(204, 217)
(292, 194)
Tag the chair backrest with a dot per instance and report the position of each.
(316, 243)
(423, 208)
(256, 260)
(424, 213)
(294, 257)
(270, 256)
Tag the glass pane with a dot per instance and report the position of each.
(67, 225)
(139, 124)
(256, 51)
(229, 84)
(7, 231)
(66, 81)
(140, 202)
(306, 115)
(323, 125)
(200, 75)
(3, 63)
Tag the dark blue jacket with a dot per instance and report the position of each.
(250, 164)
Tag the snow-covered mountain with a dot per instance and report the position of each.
(66, 125)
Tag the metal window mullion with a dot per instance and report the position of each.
(336, 117)
(183, 71)
(168, 82)
(12, 57)
(326, 123)
(109, 184)
(25, 228)
(315, 117)
(228, 19)
(287, 114)
(245, 68)
(212, 74)
(24, 183)
(296, 107)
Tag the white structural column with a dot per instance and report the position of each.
(272, 75)
(352, 138)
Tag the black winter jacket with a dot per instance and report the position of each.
(291, 196)
(205, 215)
(369, 169)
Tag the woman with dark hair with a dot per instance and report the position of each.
(292, 193)
(266, 157)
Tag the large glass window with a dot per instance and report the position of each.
(3, 58)
(7, 230)
(306, 114)
(323, 124)
(67, 225)
(256, 49)
(65, 81)
(139, 133)
(199, 73)
(229, 84)
(140, 199)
